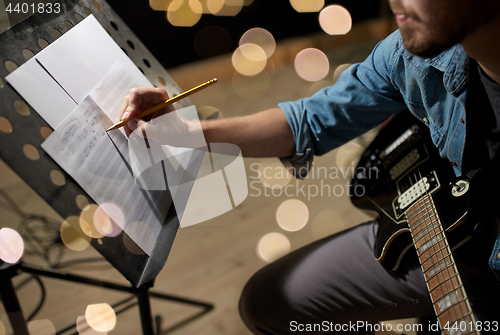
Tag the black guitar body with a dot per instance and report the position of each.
(401, 158)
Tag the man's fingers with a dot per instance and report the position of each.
(135, 123)
(132, 124)
(123, 106)
(139, 99)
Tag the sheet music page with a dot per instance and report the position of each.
(43, 94)
(60, 76)
(100, 164)
(108, 94)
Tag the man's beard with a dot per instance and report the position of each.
(430, 44)
(445, 29)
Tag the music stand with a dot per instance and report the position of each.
(32, 34)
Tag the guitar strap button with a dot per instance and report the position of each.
(426, 121)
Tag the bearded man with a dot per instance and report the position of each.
(443, 65)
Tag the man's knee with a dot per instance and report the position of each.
(263, 303)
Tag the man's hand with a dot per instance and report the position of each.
(264, 134)
(137, 101)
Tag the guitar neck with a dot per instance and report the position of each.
(441, 275)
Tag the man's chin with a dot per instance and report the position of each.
(424, 48)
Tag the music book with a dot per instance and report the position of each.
(77, 85)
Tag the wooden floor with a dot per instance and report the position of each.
(213, 260)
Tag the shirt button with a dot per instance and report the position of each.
(454, 164)
(462, 120)
(426, 121)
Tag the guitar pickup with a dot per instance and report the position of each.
(404, 164)
(425, 185)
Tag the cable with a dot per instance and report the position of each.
(42, 299)
(42, 237)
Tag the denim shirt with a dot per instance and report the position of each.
(390, 80)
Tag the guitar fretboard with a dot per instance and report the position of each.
(443, 280)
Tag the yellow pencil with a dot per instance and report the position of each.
(166, 103)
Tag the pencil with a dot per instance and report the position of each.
(166, 103)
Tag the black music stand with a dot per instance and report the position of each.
(30, 35)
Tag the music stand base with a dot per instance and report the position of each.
(143, 295)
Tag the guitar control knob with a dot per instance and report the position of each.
(460, 188)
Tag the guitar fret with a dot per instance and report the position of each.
(444, 282)
(456, 313)
(421, 234)
(434, 254)
(438, 251)
(463, 315)
(428, 244)
(449, 303)
(436, 272)
(429, 227)
(413, 215)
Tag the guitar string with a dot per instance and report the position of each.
(443, 284)
(442, 239)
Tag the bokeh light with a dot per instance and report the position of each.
(348, 156)
(253, 87)
(260, 37)
(160, 5)
(100, 317)
(312, 64)
(214, 6)
(11, 245)
(335, 20)
(109, 220)
(230, 8)
(212, 41)
(209, 113)
(273, 174)
(249, 59)
(72, 235)
(84, 328)
(304, 6)
(81, 201)
(87, 221)
(338, 71)
(41, 327)
(318, 85)
(184, 13)
(326, 223)
(292, 215)
(273, 246)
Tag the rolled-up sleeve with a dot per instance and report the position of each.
(362, 98)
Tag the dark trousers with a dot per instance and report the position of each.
(336, 284)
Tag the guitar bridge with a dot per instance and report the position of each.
(425, 185)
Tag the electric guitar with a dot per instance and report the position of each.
(420, 204)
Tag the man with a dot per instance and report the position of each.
(444, 66)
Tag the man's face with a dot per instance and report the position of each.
(429, 27)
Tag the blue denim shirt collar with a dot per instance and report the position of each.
(454, 63)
